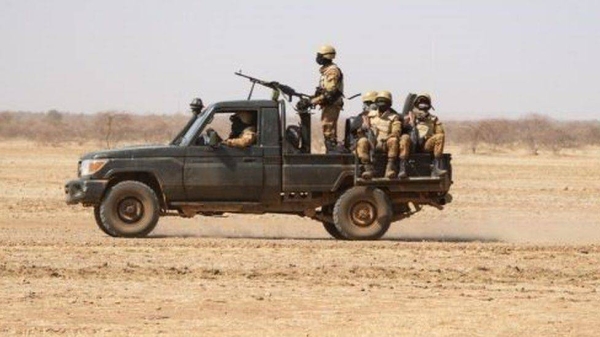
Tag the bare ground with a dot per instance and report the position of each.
(516, 253)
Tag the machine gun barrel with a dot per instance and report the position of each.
(285, 89)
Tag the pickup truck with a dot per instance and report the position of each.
(131, 188)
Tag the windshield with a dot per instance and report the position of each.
(192, 124)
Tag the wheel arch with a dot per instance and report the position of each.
(343, 182)
(146, 177)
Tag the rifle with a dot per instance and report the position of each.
(414, 132)
(276, 86)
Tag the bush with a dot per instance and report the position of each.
(111, 128)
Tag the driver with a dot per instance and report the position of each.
(243, 130)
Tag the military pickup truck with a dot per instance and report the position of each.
(131, 188)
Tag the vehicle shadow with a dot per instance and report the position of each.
(409, 239)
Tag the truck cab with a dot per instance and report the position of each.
(196, 174)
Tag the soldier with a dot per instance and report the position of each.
(243, 130)
(386, 126)
(430, 130)
(329, 95)
(364, 144)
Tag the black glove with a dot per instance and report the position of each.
(303, 104)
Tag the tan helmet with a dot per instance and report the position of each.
(384, 95)
(245, 116)
(369, 96)
(327, 51)
(425, 95)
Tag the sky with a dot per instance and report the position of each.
(478, 59)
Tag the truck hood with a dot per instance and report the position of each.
(140, 151)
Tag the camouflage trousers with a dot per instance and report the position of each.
(404, 145)
(435, 144)
(329, 119)
(363, 148)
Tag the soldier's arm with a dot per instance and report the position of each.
(246, 139)
(438, 127)
(396, 127)
(330, 85)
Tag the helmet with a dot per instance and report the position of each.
(422, 96)
(369, 96)
(384, 95)
(245, 116)
(197, 105)
(327, 51)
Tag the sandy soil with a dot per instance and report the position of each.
(516, 253)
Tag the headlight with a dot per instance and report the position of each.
(91, 166)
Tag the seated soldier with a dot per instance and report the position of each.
(430, 132)
(243, 130)
(386, 126)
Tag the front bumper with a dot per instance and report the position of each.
(87, 192)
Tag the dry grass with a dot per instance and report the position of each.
(515, 254)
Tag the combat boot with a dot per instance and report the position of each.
(390, 173)
(402, 169)
(367, 171)
(437, 171)
(330, 146)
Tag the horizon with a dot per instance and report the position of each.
(344, 114)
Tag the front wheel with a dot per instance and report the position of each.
(130, 209)
(363, 213)
(100, 224)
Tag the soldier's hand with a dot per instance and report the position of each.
(303, 104)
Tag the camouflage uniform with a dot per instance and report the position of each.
(331, 84)
(386, 127)
(431, 132)
(245, 139)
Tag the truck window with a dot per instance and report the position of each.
(227, 124)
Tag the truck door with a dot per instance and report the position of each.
(223, 173)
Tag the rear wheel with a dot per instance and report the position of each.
(363, 213)
(332, 230)
(130, 209)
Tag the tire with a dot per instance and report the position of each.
(332, 230)
(363, 213)
(100, 224)
(130, 209)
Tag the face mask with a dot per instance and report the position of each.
(423, 106)
(321, 60)
(368, 106)
(382, 106)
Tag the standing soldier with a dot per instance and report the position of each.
(431, 131)
(386, 126)
(329, 95)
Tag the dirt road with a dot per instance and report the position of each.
(516, 253)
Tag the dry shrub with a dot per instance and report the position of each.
(110, 128)
(532, 132)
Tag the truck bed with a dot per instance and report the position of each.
(326, 173)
